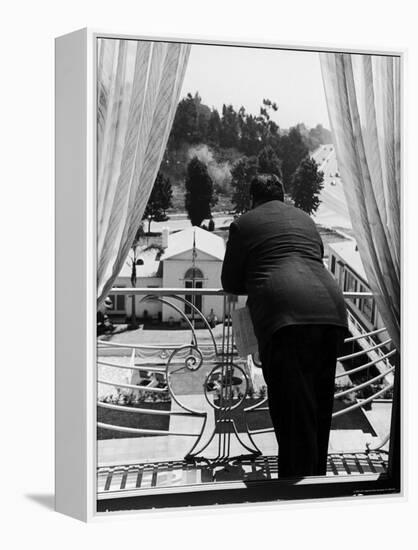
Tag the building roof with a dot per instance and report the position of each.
(347, 251)
(205, 241)
(151, 267)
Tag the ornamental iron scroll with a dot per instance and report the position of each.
(188, 370)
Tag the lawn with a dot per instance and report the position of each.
(132, 420)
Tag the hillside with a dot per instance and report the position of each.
(221, 140)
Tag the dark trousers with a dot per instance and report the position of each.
(299, 368)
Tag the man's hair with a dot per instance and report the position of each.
(267, 187)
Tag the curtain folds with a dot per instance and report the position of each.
(363, 99)
(139, 84)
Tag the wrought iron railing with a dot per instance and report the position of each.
(224, 378)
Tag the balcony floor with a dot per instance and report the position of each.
(136, 479)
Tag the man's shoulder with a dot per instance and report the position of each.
(243, 221)
(273, 214)
(270, 208)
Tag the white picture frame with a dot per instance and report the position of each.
(75, 172)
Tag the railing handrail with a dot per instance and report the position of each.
(163, 291)
(365, 351)
(156, 412)
(364, 384)
(112, 344)
(131, 386)
(144, 431)
(366, 365)
(366, 335)
(182, 291)
(363, 401)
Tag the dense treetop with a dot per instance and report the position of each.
(196, 122)
(211, 158)
(232, 133)
(307, 185)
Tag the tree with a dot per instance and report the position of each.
(160, 200)
(194, 122)
(269, 162)
(259, 131)
(229, 136)
(250, 141)
(268, 128)
(292, 150)
(134, 261)
(214, 128)
(203, 114)
(319, 136)
(307, 185)
(242, 174)
(199, 192)
(139, 234)
(185, 122)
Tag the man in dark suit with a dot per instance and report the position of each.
(274, 254)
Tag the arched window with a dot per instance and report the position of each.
(193, 273)
(193, 278)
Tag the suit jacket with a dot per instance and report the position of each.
(274, 254)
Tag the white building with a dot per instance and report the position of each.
(345, 264)
(191, 258)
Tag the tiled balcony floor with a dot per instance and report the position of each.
(143, 478)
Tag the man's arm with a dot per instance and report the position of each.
(233, 268)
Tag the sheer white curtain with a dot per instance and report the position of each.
(363, 99)
(139, 84)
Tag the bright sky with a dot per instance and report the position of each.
(244, 76)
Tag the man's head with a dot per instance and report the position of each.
(266, 187)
